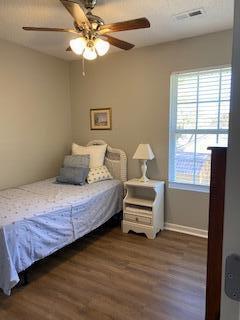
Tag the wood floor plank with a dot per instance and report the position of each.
(109, 275)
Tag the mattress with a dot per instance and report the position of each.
(40, 218)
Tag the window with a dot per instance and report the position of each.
(200, 103)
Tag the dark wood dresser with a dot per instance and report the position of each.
(215, 233)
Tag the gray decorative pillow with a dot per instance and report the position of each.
(77, 161)
(75, 176)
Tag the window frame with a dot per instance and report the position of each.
(173, 130)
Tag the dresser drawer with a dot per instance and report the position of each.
(137, 219)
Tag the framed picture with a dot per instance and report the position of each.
(101, 119)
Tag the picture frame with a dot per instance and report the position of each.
(101, 119)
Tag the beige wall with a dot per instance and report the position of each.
(35, 115)
(136, 85)
(35, 120)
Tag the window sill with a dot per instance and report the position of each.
(188, 187)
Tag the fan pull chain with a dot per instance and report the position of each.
(83, 67)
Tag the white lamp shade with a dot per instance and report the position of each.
(144, 152)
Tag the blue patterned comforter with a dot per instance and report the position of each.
(40, 218)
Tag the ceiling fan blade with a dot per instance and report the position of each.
(69, 49)
(125, 25)
(76, 12)
(49, 29)
(119, 43)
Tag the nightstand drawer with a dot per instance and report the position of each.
(137, 219)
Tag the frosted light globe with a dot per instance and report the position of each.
(101, 46)
(90, 53)
(78, 45)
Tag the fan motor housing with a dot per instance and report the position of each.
(90, 4)
(93, 18)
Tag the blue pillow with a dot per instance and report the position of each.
(70, 175)
(77, 161)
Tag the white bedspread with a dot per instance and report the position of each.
(40, 218)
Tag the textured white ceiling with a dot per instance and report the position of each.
(50, 13)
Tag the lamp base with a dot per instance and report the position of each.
(144, 178)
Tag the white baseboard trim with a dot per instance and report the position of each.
(187, 230)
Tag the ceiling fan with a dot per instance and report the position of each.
(90, 29)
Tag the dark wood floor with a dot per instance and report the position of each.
(110, 275)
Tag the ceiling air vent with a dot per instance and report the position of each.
(189, 14)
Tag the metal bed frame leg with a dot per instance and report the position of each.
(25, 278)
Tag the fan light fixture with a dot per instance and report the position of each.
(90, 49)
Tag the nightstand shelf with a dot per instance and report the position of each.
(143, 207)
(139, 201)
(136, 208)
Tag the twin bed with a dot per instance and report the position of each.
(40, 218)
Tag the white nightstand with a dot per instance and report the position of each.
(143, 207)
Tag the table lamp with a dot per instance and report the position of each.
(144, 153)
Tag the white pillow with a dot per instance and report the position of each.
(99, 174)
(97, 154)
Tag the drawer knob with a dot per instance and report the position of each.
(137, 219)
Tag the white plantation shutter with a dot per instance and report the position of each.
(200, 104)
